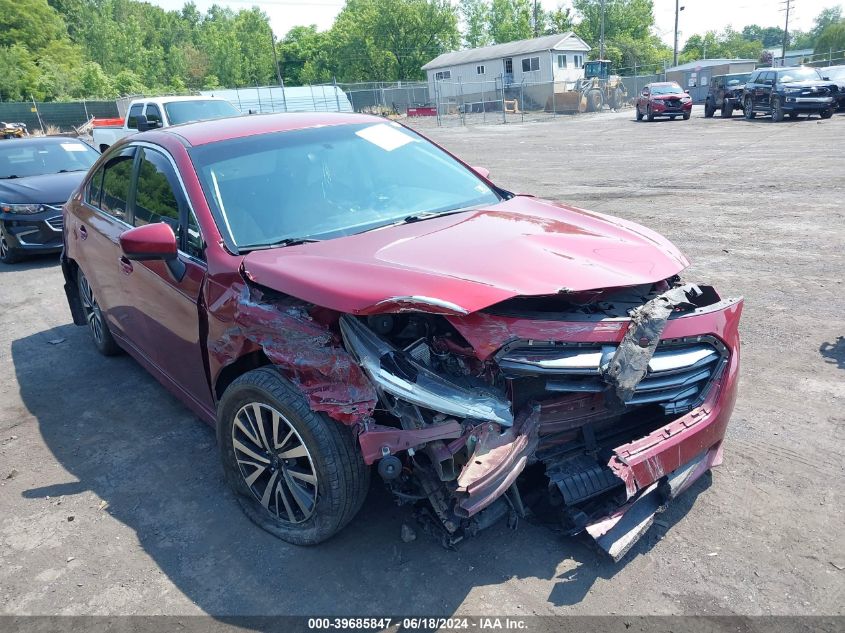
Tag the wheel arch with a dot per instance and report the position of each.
(237, 368)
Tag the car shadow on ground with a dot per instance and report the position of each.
(33, 262)
(834, 353)
(121, 436)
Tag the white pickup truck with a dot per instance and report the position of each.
(156, 112)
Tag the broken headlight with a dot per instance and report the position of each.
(22, 209)
(402, 376)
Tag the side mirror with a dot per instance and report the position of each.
(645, 92)
(482, 171)
(825, 78)
(152, 242)
(686, 91)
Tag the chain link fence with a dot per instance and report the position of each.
(64, 117)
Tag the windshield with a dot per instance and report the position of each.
(836, 74)
(797, 74)
(671, 89)
(330, 181)
(35, 158)
(187, 111)
(737, 80)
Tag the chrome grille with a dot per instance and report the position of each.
(677, 378)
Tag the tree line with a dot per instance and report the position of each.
(71, 49)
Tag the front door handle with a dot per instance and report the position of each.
(125, 266)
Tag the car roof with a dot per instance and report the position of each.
(664, 83)
(204, 132)
(174, 99)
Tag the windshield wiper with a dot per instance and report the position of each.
(288, 241)
(9, 177)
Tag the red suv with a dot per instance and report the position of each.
(665, 98)
(333, 292)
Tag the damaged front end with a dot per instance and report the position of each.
(616, 400)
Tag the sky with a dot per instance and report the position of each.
(698, 16)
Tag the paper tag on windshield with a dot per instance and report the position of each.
(384, 136)
(73, 147)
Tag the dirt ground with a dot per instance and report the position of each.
(112, 500)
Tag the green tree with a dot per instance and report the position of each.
(511, 20)
(476, 18)
(828, 17)
(92, 82)
(303, 56)
(559, 21)
(831, 40)
(391, 39)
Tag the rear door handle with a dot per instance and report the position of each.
(83, 232)
(125, 266)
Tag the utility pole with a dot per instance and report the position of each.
(536, 20)
(601, 36)
(788, 4)
(675, 53)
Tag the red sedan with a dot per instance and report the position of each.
(333, 292)
(665, 98)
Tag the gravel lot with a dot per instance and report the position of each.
(112, 500)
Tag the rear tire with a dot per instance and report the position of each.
(97, 326)
(302, 489)
(826, 114)
(8, 255)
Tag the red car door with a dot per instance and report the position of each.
(94, 231)
(165, 323)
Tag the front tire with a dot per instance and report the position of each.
(777, 111)
(296, 474)
(727, 110)
(649, 113)
(97, 326)
(639, 113)
(8, 255)
(687, 116)
(709, 110)
(748, 110)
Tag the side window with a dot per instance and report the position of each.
(153, 114)
(95, 188)
(116, 180)
(155, 198)
(769, 79)
(132, 117)
(159, 198)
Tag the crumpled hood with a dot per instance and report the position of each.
(460, 263)
(44, 189)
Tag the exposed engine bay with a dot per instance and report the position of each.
(479, 417)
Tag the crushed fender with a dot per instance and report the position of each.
(307, 353)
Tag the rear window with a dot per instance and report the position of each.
(187, 111)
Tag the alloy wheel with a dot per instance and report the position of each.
(92, 310)
(275, 462)
(4, 245)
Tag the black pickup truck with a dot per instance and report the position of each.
(789, 91)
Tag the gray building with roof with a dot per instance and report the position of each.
(558, 57)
